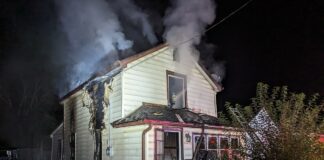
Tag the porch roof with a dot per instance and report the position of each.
(149, 112)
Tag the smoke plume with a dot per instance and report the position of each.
(130, 11)
(211, 60)
(94, 31)
(185, 22)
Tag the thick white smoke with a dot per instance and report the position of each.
(95, 32)
(184, 20)
(136, 17)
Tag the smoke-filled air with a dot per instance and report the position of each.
(185, 23)
(100, 32)
(94, 31)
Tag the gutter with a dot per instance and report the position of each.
(143, 140)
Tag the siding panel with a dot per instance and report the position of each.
(144, 80)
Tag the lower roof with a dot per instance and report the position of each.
(155, 112)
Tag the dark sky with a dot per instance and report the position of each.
(277, 42)
(280, 42)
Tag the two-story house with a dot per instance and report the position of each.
(146, 106)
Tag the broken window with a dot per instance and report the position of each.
(176, 90)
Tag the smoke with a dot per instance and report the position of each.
(95, 32)
(185, 22)
(130, 11)
(211, 61)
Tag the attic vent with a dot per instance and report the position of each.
(176, 56)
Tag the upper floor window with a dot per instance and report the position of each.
(177, 86)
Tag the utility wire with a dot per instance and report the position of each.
(216, 24)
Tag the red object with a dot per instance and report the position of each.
(321, 138)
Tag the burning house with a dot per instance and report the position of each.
(147, 106)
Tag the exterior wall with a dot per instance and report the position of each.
(83, 139)
(126, 143)
(57, 139)
(84, 144)
(150, 142)
(187, 147)
(112, 113)
(144, 80)
(68, 106)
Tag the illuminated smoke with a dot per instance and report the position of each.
(184, 20)
(218, 71)
(135, 16)
(95, 32)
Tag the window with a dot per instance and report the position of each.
(176, 84)
(223, 143)
(234, 143)
(212, 142)
(202, 144)
(220, 146)
(159, 142)
(235, 148)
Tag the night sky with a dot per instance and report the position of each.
(279, 42)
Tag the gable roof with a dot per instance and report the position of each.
(123, 64)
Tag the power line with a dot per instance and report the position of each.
(216, 24)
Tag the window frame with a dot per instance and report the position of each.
(194, 141)
(156, 141)
(217, 141)
(177, 75)
(219, 150)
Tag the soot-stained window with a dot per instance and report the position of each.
(176, 90)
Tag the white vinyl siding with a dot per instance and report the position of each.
(115, 102)
(68, 106)
(150, 142)
(57, 139)
(126, 143)
(84, 144)
(83, 139)
(144, 80)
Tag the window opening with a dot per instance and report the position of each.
(176, 90)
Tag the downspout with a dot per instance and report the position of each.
(199, 142)
(143, 140)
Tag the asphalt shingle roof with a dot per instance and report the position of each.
(149, 111)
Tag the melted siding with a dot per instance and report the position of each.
(83, 138)
(115, 98)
